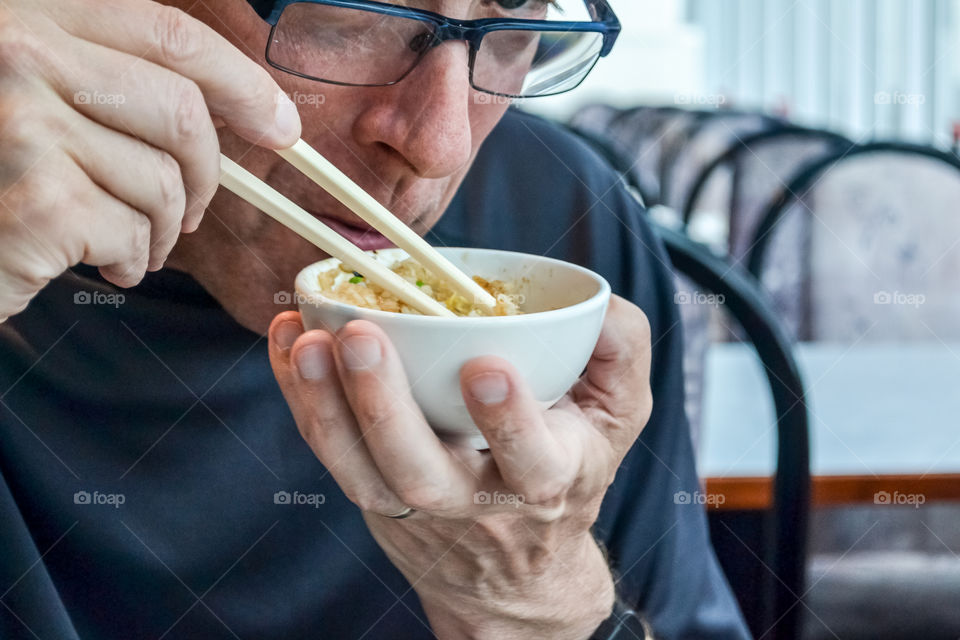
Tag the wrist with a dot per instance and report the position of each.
(624, 623)
(569, 603)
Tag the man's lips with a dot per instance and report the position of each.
(365, 237)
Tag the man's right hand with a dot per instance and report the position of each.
(108, 149)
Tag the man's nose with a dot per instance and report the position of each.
(426, 116)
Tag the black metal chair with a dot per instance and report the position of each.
(704, 138)
(762, 553)
(759, 166)
(812, 173)
(870, 218)
(645, 137)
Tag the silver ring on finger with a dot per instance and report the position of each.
(400, 515)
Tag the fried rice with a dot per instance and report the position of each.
(347, 286)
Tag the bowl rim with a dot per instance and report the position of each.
(600, 297)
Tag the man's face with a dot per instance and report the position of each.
(409, 145)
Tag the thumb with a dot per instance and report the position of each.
(617, 379)
(284, 330)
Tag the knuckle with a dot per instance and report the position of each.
(510, 436)
(139, 245)
(372, 415)
(172, 195)
(315, 432)
(423, 497)
(191, 120)
(261, 97)
(177, 36)
(547, 494)
(373, 500)
(18, 47)
(39, 198)
(27, 129)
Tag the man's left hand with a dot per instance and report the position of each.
(499, 544)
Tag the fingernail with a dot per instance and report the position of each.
(488, 388)
(313, 362)
(287, 119)
(361, 352)
(286, 334)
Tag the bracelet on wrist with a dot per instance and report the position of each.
(624, 623)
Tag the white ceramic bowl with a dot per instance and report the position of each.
(549, 345)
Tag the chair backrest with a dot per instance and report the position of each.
(745, 178)
(883, 248)
(707, 138)
(739, 184)
(769, 579)
(642, 135)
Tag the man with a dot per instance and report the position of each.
(154, 483)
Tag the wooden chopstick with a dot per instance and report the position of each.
(346, 191)
(264, 197)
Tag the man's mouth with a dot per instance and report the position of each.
(364, 237)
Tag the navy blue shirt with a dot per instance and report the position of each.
(142, 444)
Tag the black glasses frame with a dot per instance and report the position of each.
(604, 22)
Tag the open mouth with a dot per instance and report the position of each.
(364, 237)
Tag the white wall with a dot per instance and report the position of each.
(869, 68)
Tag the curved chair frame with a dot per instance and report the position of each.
(703, 118)
(808, 178)
(786, 548)
(744, 145)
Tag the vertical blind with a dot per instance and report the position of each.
(869, 68)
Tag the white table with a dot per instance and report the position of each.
(882, 416)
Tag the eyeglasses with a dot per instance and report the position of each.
(373, 44)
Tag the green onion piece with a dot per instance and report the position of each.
(356, 279)
(419, 283)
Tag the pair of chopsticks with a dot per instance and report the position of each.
(302, 156)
